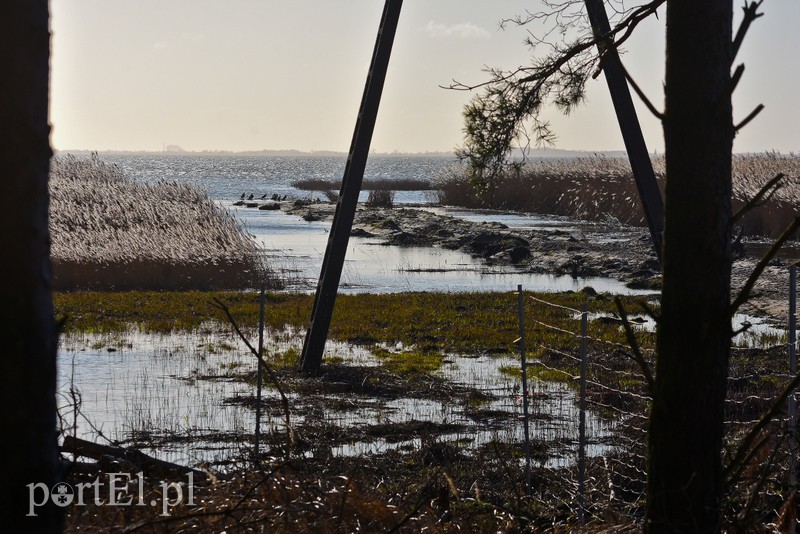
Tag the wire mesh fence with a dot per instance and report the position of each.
(612, 479)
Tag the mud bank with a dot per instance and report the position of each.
(561, 247)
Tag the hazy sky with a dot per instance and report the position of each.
(266, 74)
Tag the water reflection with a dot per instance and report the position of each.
(296, 247)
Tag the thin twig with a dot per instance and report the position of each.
(764, 194)
(634, 344)
(636, 89)
(751, 116)
(420, 502)
(744, 448)
(268, 368)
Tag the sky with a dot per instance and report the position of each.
(244, 75)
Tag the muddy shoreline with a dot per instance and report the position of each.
(579, 249)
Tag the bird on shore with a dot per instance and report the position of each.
(264, 196)
(242, 197)
(250, 197)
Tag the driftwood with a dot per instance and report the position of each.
(130, 459)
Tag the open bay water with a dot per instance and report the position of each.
(295, 247)
(227, 176)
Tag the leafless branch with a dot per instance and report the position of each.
(658, 114)
(268, 368)
(745, 450)
(744, 293)
(766, 192)
(747, 119)
(634, 344)
(750, 14)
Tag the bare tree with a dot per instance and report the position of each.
(685, 483)
(27, 327)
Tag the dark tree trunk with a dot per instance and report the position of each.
(27, 329)
(694, 333)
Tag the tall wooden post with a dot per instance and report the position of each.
(635, 145)
(339, 236)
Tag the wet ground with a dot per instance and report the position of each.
(543, 253)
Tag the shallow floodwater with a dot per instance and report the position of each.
(295, 248)
(134, 385)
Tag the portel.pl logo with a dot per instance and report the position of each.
(122, 489)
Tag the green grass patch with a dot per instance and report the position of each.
(409, 363)
(463, 323)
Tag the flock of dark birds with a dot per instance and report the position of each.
(274, 197)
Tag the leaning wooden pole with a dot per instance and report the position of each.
(333, 262)
(642, 167)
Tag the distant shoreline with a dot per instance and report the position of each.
(533, 153)
(277, 153)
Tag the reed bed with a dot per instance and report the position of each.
(602, 188)
(109, 232)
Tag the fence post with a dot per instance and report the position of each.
(258, 378)
(524, 364)
(792, 408)
(582, 421)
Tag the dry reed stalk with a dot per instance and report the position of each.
(111, 232)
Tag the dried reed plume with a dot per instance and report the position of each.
(602, 188)
(109, 232)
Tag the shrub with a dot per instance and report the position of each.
(380, 198)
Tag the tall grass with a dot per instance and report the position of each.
(109, 232)
(602, 188)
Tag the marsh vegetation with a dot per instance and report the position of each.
(109, 232)
(602, 188)
(419, 399)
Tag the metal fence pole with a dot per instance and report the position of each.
(792, 408)
(524, 364)
(259, 372)
(582, 422)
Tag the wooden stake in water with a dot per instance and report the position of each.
(258, 377)
(521, 341)
(582, 421)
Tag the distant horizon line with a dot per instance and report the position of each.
(533, 152)
(296, 152)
